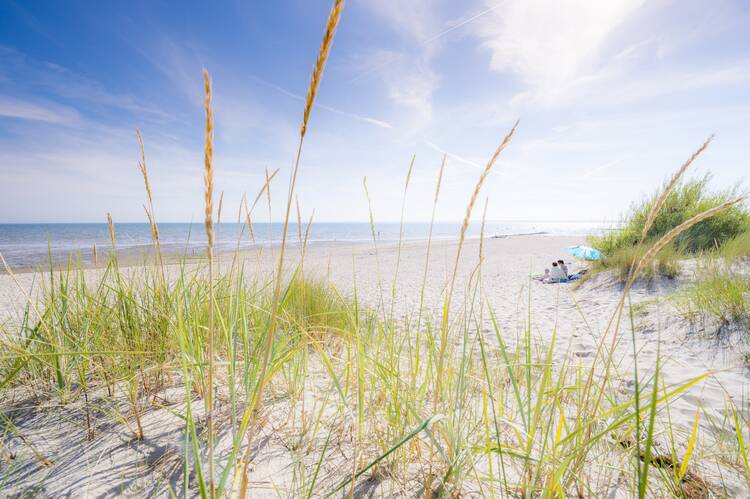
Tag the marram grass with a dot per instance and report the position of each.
(513, 422)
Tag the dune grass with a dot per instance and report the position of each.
(665, 264)
(724, 233)
(510, 420)
(654, 216)
(687, 199)
(721, 291)
(737, 248)
(432, 407)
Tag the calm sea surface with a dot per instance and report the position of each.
(31, 245)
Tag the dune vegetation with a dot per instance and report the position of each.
(721, 290)
(426, 407)
(719, 297)
(685, 200)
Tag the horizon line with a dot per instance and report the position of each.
(538, 220)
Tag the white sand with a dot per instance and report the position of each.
(579, 316)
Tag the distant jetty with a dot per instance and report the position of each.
(505, 236)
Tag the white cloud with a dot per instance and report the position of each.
(672, 82)
(180, 63)
(552, 46)
(603, 54)
(26, 73)
(411, 83)
(406, 72)
(37, 111)
(415, 19)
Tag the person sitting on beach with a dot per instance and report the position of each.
(564, 267)
(546, 278)
(557, 273)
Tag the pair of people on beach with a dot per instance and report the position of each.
(559, 273)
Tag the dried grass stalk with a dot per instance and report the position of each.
(149, 207)
(208, 178)
(325, 48)
(208, 172)
(218, 211)
(320, 63)
(111, 227)
(462, 237)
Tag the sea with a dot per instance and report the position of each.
(26, 246)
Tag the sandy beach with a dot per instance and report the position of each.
(577, 315)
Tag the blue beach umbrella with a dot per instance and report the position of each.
(584, 252)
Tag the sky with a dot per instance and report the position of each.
(612, 96)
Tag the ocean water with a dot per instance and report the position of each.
(33, 245)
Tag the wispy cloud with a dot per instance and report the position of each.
(178, 63)
(678, 81)
(551, 46)
(38, 111)
(407, 73)
(25, 74)
(410, 83)
(566, 53)
(405, 69)
(416, 26)
(415, 20)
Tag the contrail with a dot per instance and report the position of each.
(605, 166)
(365, 119)
(458, 158)
(462, 23)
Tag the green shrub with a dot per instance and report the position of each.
(685, 201)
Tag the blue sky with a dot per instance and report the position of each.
(612, 97)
